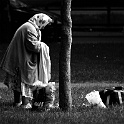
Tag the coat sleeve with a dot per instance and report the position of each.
(33, 41)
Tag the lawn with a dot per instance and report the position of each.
(78, 115)
(93, 67)
(92, 62)
(89, 62)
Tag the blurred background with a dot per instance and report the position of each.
(97, 18)
(98, 35)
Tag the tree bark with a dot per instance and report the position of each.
(65, 99)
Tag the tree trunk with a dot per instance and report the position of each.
(65, 99)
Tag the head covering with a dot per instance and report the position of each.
(40, 20)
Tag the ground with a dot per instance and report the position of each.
(89, 61)
(79, 114)
(94, 66)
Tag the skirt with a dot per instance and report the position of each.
(15, 83)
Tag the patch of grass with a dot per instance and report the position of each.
(92, 62)
(3, 48)
(78, 115)
(89, 62)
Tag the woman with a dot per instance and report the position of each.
(27, 60)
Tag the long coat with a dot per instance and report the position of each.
(28, 54)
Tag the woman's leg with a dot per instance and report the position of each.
(17, 100)
(26, 95)
(25, 100)
(16, 86)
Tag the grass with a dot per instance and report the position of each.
(93, 66)
(92, 62)
(78, 115)
(89, 62)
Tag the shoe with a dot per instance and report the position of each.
(17, 104)
(28, 106)
(50, 107)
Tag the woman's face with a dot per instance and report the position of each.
(41, 23)
(41, 20)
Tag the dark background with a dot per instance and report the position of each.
(98, 36)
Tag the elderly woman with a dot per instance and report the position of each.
(27, 60)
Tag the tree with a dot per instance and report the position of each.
(65, 99)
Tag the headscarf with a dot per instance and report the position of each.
(40, 20)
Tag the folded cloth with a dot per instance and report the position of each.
(39, 84)
(44, 96)
(94, 99)
(107, 97)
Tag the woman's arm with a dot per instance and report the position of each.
(33, 41)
